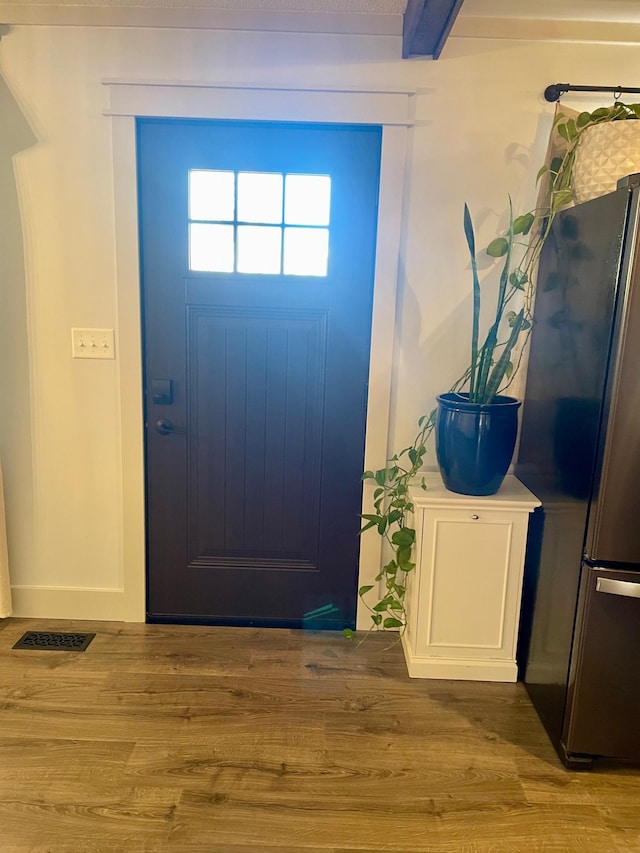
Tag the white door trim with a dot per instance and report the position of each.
(393, 110)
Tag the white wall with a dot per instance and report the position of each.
(480, 135)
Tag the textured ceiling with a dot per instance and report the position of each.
(552, 20)
(620, 11)
(578, 10)
(378, 7)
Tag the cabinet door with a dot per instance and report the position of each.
(470, 582)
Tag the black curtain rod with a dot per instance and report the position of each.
(554, 92)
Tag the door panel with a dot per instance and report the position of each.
(253, 499)
(256, 385)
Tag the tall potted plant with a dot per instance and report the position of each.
(476, 429)
(493, 363)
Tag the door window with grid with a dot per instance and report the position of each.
(259, 222)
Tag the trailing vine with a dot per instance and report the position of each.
(492, 368)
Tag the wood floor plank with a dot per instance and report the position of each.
(270, 693)
(550, 782)
(28, 760)
(623, 821)
(51, 689)
(262, 764)
(90, 820)
(614, 784)
(200, 764)
(432, 828)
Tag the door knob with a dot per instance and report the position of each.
(165, 427)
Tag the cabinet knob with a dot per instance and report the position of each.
(475, 517)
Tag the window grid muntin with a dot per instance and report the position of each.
(282, 225)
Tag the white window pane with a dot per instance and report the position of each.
(211, 247)
(259, 197)
(211, 194)
(306, 251)
(259, 249)
(307, 199)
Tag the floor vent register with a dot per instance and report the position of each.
(54, 641)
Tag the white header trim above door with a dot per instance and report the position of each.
(393, 110)
(233, 101)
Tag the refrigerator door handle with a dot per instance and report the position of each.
(629, 590)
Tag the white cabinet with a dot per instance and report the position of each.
(463, 597)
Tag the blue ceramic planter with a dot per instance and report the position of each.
(475, 442)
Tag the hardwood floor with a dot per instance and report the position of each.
(226, 740)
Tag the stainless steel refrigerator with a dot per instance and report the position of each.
(579, 452)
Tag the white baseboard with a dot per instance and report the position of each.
(39, 602)
(460, 669)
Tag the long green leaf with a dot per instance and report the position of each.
(491, 341)
(498, 372)
(506, 269)
(471, 243)
(486, 355)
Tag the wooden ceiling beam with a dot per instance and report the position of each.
(427, 24)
